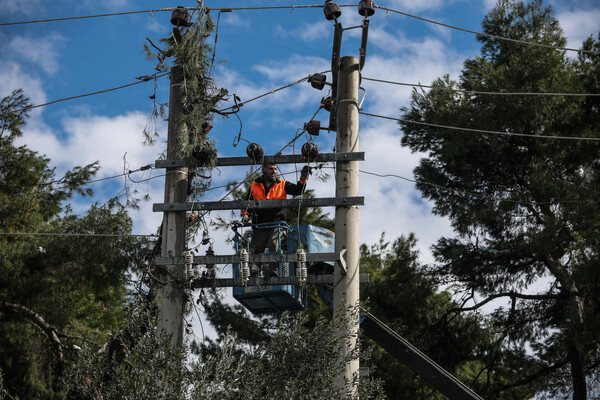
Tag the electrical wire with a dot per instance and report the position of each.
(590, 139)
(238, 105)
(471, 194)
(206, 9)
(485, 93)
(292, 8)
(94, 16)
(75, 234)
(487, 34)
(144, 79)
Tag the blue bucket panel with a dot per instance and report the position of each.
(270, 299)
(275, 299)
(314, 238)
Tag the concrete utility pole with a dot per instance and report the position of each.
(346, 277)
(170, 297)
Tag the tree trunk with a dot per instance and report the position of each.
(576, 350)
(576, 355)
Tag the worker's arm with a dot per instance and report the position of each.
(245, 212)
(297, 189)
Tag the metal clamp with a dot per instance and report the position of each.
(343, 262)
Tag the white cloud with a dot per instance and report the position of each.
(489, 4)
(155, 25)
(424, 62)
(578, 25)
(13, 77)
(232, 20)
(295, 66)
(276, 73)
(43, 52)
(308, 32)
(9, 7)
(411, 5)
(107, 140)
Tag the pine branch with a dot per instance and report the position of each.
(511, 295)
(50, 331)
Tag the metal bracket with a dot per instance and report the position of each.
(343, 262)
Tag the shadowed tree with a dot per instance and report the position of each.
(56, 290)
(524, 207)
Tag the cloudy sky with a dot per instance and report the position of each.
(257, 51)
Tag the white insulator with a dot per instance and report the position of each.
(285, 269)
(302, 272)
(188, 258)
(244, 266)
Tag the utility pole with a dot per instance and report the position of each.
(170, 296)
(346, 274)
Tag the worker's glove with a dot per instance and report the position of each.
(245, 219)
(305, 172)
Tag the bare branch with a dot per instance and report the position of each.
(510, 295)
(542, 371)
(50, 331)
(155, 46)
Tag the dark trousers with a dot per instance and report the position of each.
(265, 238)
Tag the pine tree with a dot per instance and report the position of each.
(523, 207)
(56, 291)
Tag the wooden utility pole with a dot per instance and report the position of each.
(170, 296)
(346, 274)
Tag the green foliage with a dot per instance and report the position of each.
(409, 302)
(298, 363)
(188, 50)
(69, 286)
(524, 208)
(13, 112)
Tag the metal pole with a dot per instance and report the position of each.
(170, 296)
(346, 278)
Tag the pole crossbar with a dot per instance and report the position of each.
(255, 281)
(281, 159)
(259, 204)
(253, 258)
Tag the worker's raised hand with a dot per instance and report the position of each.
(245, 219)
(305, 172)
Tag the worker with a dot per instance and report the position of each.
(269, 187)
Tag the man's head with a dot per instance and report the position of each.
(270, 171)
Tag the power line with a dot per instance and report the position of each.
(92, 16)
(479, 92)
(74, 234)
(207, 9)
(487, 34)
(142, 80)
(471, 194)
(590, 139)
(144, 168)
(270, 92)
(292, 8)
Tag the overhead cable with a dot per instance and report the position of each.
(142, 80)
(206, 9)
(73, 234)
(590, 139)
(462, 192)
(487, 34)
(292, 8)
(238, 105)
(485, 93)
(93, 16)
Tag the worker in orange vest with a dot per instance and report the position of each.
(269, 187)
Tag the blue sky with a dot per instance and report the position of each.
(257, 51)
